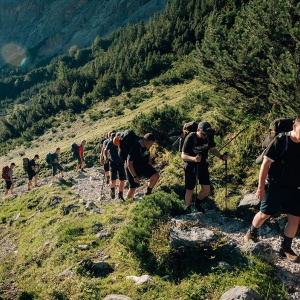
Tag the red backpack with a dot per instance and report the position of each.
(5, 172)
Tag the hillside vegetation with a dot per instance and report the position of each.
(232, 63)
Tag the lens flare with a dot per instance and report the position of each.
(13, 54)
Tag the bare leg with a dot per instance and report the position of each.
(188, 197)
(131, 193)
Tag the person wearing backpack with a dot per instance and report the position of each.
(55, 163)
(138, 165)
(279, 188)
(102, 161)
(31, 171)
(194, 154)
(117, 168)
(81, 161)
(9, 179)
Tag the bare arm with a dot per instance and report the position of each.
(216, 153)
(132, 171)
(189, 158)
(264, 169)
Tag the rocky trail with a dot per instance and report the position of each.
(91, 187)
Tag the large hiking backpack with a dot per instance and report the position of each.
(276, 127)
(5, 172)
(74, 150)
(186, 130)
(49, 158)
(25, 164)
(124, 142)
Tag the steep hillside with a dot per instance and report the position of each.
(41, 29)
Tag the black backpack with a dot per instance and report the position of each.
(25, 164)
(74, 150)
(48, 158)
(127, 139)
(186, 130)
(277, 127)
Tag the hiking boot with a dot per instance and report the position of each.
(82, 170)
(112, 193)
(199, 207)
(188, 209)
(107, 179)
(288, 253)
(251, 236)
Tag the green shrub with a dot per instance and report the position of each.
(158, 207)
(162, 123)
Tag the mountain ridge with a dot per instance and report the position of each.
(43, 29)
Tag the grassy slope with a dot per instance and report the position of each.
(44, 245)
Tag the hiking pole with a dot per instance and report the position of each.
(193, 205)
(102, 187)
(226, 176)
(234, 137)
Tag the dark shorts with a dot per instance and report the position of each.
(190, 171)
(281, 199)
(8, 184)
(55, 167)
(79, 160)
(31, 174)
(146, 172)
(116, 169)
(106, 167)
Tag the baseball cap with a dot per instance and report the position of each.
(205, 127)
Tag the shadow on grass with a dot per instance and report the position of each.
(179, 264)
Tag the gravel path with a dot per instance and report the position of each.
(91, 187)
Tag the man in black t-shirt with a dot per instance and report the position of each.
(194, 154)
(117, 168)
(55, 162)
(280, 169)
(31, 171)
(138, 165)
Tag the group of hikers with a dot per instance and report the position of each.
(278, 186)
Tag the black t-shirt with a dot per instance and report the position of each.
(194, 146)
(113, 152)
(54, 156)
(285, 167)
(139, 155)
(30, 165)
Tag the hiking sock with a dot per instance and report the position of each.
(112, 193)
(253, 229)
(149, 191)
(120, 196)
(198, 205)
(287, 242)
(107, 179)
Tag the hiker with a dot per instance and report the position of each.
(194, 154)
(31, 171)
(9, 179)
(105, 162)
(55, 163)
(117, 168)
(80, 156)
(138, 165)
(279, 188)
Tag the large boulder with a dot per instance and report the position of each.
(194, 237)
(240, 293)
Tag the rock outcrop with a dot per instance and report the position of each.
(46, 28)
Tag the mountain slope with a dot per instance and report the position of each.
(46, 28)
